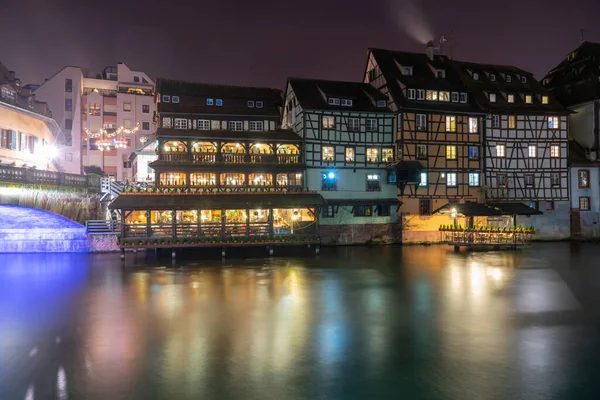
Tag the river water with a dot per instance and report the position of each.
(352, 323)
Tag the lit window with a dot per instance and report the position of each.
(584, 179)
(432, 95)
(424, 181)
(528, 99)
(259, 104)
(328, 122)
(210, 102)
(250, 104)
(353, 124)
(167, 122)
(545, 100)
(555, 151)
(454, 97)
(219, 102)
(233, 179)
(450, 123)
(552, 122)
(333, 101)
(327, 153)
(372, 155)
(346, 102)
(450, 152)
(181, 123)
(203, 179)
(204, 124)
(500, 150)
(421, 122)
(350, 154)
(495, 121)
(420, 94)
(166, 99)
(127, 106)
(421, 151)
(512, 122)
(363, 211)
(510, 98)
(172, 179)
(387, 154)
(235, 126)
(412, 94)
(371, 124)
(373, 183)
(451, 179)
(473, 128)
(328, 181)
(475, 76)
(555, 179)
(444, 96)
(474, 179)
(175, 99)
(532, 151)
(256, 125)
(584, 203)
(463, 97)
(473, 153)
(492, 97)
(528, 180)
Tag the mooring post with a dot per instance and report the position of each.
(270, 250)
(317, 249)
(122, 254)
(223, 252)
(173, 254)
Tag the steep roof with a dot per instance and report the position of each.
(391, 64)
(314, 94)
(576, 79)
(504, 80)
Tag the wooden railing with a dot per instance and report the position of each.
(102, 227)
(41, 177)
(230, 158)
(208, 158)
(233, 158)
(173, 157)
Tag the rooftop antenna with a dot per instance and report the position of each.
(583, 31)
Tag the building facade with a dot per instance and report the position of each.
(104, 116)
(525, 144)
(226, 173)
(438, 134)
(348, 139)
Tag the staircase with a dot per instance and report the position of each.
(110, 189)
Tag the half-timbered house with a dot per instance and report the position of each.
(347, 133)
(438, 133)
(525, 143)
(225, 174)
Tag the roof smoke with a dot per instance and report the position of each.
(409, 16)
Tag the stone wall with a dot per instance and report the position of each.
(553, 224)
(103, 243)
(360, 234)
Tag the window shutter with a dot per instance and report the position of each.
(13, 140)
(35, 143)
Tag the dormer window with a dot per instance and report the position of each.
(493, 77)
(250, 104)
(510, 98)
(346, 102)
(523, 79)
(454, 97)
(463, 97)
(166, 99)
(528, 99)
(210, 102)
(420, 94)
(175, 99)
(432, 95)
(381, 103)
(411, 94)
(475, 76)
(259, 104)
(219, 102)
(444, 96)
(545, 100)
(407, 71)
(441, 74)
(508, 78)
(492, 97)
(333, 101)
(571, 56)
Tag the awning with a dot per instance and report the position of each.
(487, 209)
(363, 202)
(215, 201)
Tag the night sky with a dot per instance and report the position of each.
(262, 42)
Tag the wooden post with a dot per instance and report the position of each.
(122, 254)
(173, 253)
(223, 252)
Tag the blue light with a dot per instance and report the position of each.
(331, 175)
(324, 176)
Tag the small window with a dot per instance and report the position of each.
(441, 74)
(424, 180)
(68, 85)
(407, 71)
(545, 100)
(451, 179)
(508, 78)
(500, 150)
(372, 74)
(136, 78)
(473, 125)
(166, 99)
(181, 123)
(432, 95)
(444, 96)
(584, 203)
(381, 103)
(421, 122)
(328, 212)
(371, 124)
(424, 207)
(421, 151)
(387, 154)
(463, 97)
(584, 178)
(493, 77)
(363, 211)
(412, 94)
(450, 152)
(328, 181)
(68, 104)
(420, 94)
(373, 183)
(555, 151)
(383, 210)
(256, 126)
(328, 153)
(528, 99)
(350, 155)
(475, 76)
(510, 98)
(523, 79)
(529, 180)
(473, 153)
(68, 124)
(259, 104)
(512, 122)
(474, 179)
(145, 126)
(210, 102)
(353, 124)
(328, 122)
(552, 122)
(250, 104)
(219, 102)
(204, 124)
(492, 97)
(235, 126)
(450, 123)
(346, 102)
(501, 180)
(372, 155)
(175, 99)
(495, 121)
(454, 97)
(127, 107)
(555, 179)
(145, 109)
(333, 101)
(532, 151)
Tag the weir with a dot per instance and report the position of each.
(30, 230)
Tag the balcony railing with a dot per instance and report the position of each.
(233, 158)
(229, 158)
(204, 158)
(41, 177)
(173, 157)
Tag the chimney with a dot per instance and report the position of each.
(429, 50)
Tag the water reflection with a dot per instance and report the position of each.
(418, 322)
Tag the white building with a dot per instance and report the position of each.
(104, 117)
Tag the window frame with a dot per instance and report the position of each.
(426, 176)
(166, 98)
(496, 121)
(557, 184)
(233, 125)
(587, 200)
(250, 104)
(418, 126)
(203, 122)
(424, 155)
(531, 178)
(259, 104)
(219, 102)
(127, 107)
(411, 94)
(551, 121)
(175, 99)
(535, 151)
(145, 109)
(353, 151)
(257, 125)
(328, 212)
(182, 122)
(323, 159)
(587, 185)
(420, 94)
(378, 157)
(554, 154)
(448, 175)
(504, 182)
(371, 128)
(424, 205)
(450, 123)
(451, 152)
(356, 211)
(469, 153)
(352, 127)
(328, 118)
(476, 124)
(510, 98)
(370, 178)
(493, 98)
(503, 147)
(511, 122)
(474, 174)
(454, 97)
(545, 99)
(463, 97)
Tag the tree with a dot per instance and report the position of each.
(93, 169)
